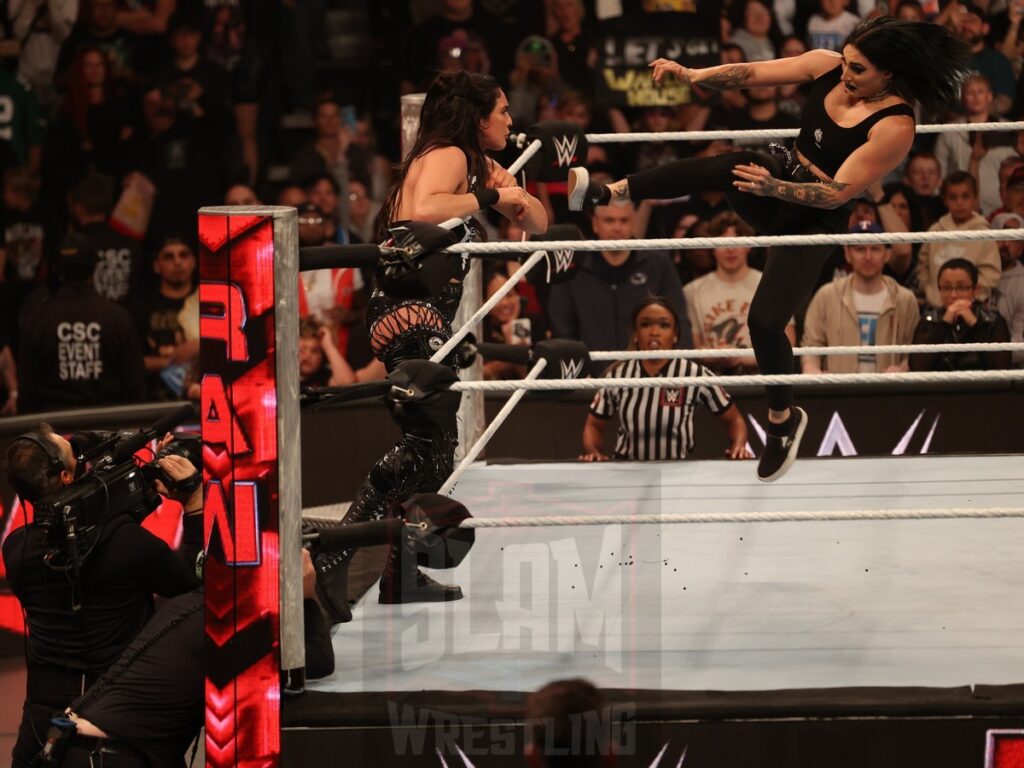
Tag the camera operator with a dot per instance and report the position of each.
(178, 469)
(148, 707)
(77, 628)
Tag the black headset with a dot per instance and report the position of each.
(53, 454)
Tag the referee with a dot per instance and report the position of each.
(657, 423)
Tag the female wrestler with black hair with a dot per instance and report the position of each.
(447, 174)
(856, 127)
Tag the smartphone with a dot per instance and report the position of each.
(348, 116)
(521, 330)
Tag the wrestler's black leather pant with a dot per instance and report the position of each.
(422, 459)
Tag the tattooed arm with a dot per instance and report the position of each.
(814, 194)
(888, 143)
(727, 77)
(795, 69)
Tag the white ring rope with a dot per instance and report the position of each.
(797, 516)
(881, 349)
(658, 382)
(759, 241)
(779, 133)
(487, 306)
(496, 422)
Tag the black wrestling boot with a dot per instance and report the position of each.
(332, 584)
(332, 566)
(403, 582)
(584, 195)
(782, 441)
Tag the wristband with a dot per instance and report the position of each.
(485, 198)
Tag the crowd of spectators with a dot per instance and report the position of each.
(120, 118)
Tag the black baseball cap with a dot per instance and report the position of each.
(76, 259)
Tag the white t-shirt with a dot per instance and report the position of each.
(830, 34)
(869, 308)
(754, 48)
(718, 310)
(324, 288)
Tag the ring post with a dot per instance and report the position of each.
(252, 476)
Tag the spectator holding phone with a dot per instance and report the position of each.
(535, 76)
(1011, 46)
(328, 153)
(503, 325)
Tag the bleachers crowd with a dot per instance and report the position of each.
(119, 119)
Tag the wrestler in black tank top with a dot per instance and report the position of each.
(825, 143)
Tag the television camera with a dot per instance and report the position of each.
(111, 483)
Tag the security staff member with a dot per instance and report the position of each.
(77, 349)
(68, 649)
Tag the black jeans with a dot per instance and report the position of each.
(49, 692)
(790, 272)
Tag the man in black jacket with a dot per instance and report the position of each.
(597, 306)
(77, 349)
(76, 631)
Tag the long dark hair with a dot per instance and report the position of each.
(928, 62)
(455, 104)
(76, 104)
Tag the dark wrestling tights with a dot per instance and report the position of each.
(790, 272)
(420, 461)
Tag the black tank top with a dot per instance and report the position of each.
(826, 144)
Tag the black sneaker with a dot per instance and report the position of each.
(780, 451)
(584, 195)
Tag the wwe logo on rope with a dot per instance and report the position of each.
(565, 149)
(571, 369)
(563, 260)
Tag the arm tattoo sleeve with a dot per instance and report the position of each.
(814, 194)
(726, 77)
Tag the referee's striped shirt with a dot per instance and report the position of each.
(656, 423)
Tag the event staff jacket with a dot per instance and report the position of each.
(597, 305)
(78, 350)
